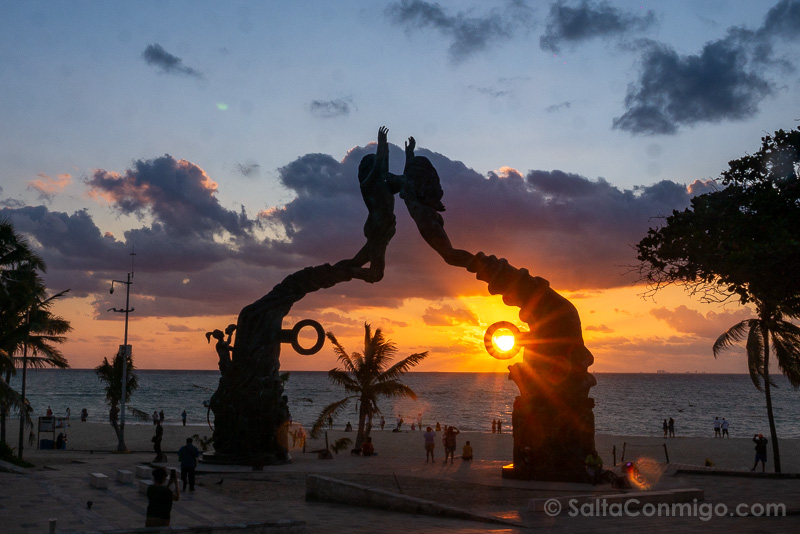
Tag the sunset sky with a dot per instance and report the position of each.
(222, 140)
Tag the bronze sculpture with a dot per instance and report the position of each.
(553, 421)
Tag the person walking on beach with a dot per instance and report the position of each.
(160, 456)
(724, 426)
(717, 427)
(761, 451)
(183, 417)
(161, 416)
(383, 422)
(450, 434)
(49, 412)
(671, 427)
(665, 426)
(494, 426)
(187, 455)
(155, 418)
(419, 421)
(84, 415)
(430, 443)
(499, 426)
(160, 498)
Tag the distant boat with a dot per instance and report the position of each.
(661, 371)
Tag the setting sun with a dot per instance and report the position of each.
(503, 340)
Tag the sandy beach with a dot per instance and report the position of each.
(278, 492)
(731, 453)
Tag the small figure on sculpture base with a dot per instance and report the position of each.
(223, 346)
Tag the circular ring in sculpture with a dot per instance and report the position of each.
(320, 337)
(493, 350)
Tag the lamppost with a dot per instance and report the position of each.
(125, 352)
(24, 409)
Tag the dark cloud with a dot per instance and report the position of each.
(574, 231)
(155, 55)
(10, 202)
(589, 20)
(469, 35)
(177, 193)
(248, 169)
(331, 108)
(725, 81)
(716, 85)
(782, 21)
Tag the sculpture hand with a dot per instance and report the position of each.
(382, 134)
(410, 144)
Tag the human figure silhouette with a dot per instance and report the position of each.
(223, 346)
(374, 180)
(422, 192)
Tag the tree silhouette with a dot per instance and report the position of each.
(366, 377)
(741, 242)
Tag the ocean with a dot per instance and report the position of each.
(625, 404)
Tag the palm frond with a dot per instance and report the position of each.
(331, 410)
(394, 389)
(786, 340)
(403, 366)
(732, 335)
(341, 353)
(137, 413)
(342, 378)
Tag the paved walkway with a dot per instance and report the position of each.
(58, 488)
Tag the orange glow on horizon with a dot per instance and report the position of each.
(619, 329)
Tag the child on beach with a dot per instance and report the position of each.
(466, 452)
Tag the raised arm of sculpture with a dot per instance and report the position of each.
(379, 199)
(422, 192)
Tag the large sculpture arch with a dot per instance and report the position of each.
(553, 421)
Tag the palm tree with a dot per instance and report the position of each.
(367, 377)
(110, 373)
(27, 324)
(785, 338)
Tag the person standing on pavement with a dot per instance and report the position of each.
(160, 498)
(188, 457)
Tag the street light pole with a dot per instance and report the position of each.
(125, 353)
(23, 410)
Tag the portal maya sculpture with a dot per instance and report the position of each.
(553, 421)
